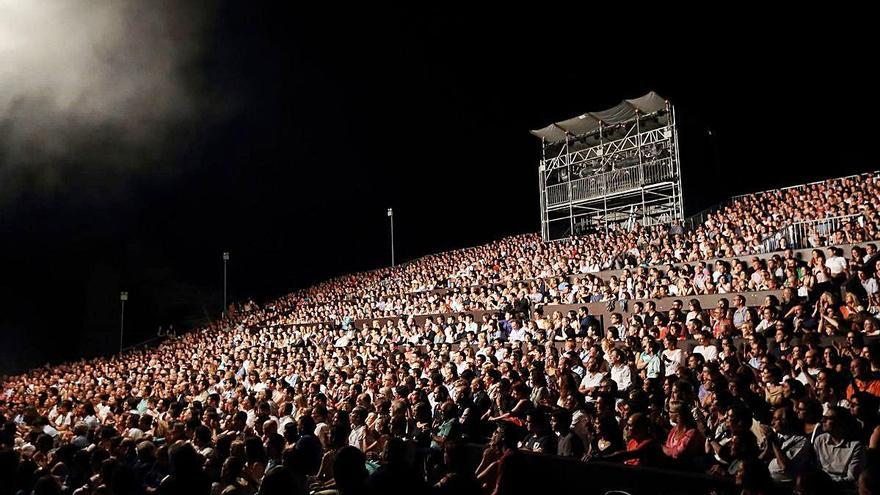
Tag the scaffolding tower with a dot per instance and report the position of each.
(617, 166)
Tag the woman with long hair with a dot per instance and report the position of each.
(852, 310)
(684, 443)
(338, 439)
(607, 436)
(821, 274)
(673, 357)
(540, 391)
(517, 414)
(828, 314)
(833, 360)
(695, 310)
(502, 444)
(567, 387)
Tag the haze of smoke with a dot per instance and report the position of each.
(95, 82)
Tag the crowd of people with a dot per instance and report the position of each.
(783, 271)
(735, 230)
(783, 395)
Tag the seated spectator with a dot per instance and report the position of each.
(684, 442)
(673, 357)
(863, 380)
(502, 445)
(449, 429)
(648, 362)
(705, 347)
(788, 449)
(840, 454)
(458, 479)
(396, 474)
(569, 444)
(540, 438)
(186, 475)
(349, 471)
(865, 409)
(621, 372)
(642, 448)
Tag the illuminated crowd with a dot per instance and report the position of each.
(341, 389)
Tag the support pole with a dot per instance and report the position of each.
(391, 218)
(641, 168)
(542, 191)
(123, 296)
(570, 198)
(225, 301)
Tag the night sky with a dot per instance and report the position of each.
(302, 129)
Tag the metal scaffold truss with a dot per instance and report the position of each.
(620, 166)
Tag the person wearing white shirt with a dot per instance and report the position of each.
(49, 430)
(842, 458)
(471, 325)
(322, 429)
(592, 378)
(767, 322)
(836, 263)
(501, 352)
(673, 357)
(103, 411)
(620, 370)
(809, 368)
(63, 421)
(284, 420)
(517, 332)
(868, 282)
(870, 251)
(709, 351)
(741, 313)
(90, 418)
(458, 359)
(358, 436)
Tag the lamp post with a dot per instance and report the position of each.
(123, 296)
(225, 260)
(391, 218)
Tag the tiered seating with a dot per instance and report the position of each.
(681, 326)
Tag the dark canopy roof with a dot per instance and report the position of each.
(589, 122)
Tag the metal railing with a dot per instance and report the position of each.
(622, 179)
(807, 234)
(144, 344)
(699, 218)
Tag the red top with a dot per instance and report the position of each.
(688, 444)
(650, 452)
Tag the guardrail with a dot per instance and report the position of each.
(146, 343)
(621, 179)
(805, 234)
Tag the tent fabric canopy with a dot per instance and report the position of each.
(590, 121)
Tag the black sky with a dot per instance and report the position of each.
(311, 125)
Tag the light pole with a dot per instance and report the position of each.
(391, 218)
(123, 296)
(225, 260)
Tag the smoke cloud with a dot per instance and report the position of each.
(92, 87)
